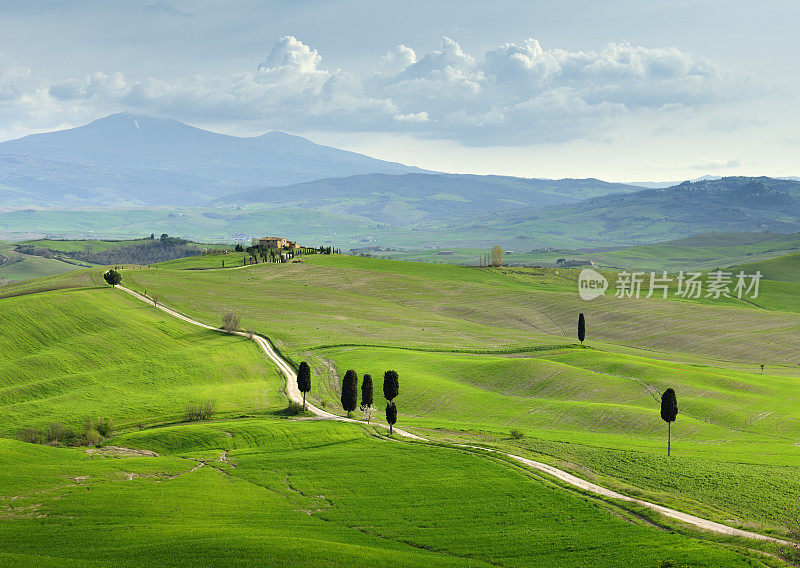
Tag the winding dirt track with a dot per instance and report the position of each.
(295, 395)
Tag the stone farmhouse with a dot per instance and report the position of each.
(275, 243)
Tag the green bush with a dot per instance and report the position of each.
(294, 409)
(92, 437)
(30, 435)
(195, 411)
(104, 428)
(58, 433)
(516, 434)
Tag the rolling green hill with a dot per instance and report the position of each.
(72, 354)
(484, 351)
(784, 268)
(339, 490)
(250, 492)
(16, 266)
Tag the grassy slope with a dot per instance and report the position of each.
(101, 353)
(599, 398)
(206, 261)
(17, 267)
(783, 269)
(89, 245)
(311, 494)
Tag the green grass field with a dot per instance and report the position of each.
(310, 494)
(484, 351)
(206, 261)
(100, 353)
(479, 352)
(15, 267)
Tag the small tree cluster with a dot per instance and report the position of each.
(349, 395)
(91, 433)
(195, 411)
(497, 255)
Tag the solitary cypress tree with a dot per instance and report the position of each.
(391, 385)
(304, 380)
(366, 392)
(669, 411)
(581, 328)
(350, 391)
(391, 416)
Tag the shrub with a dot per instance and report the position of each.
(293, 409)
(103, 427)
(195, 411)
(230, 322)
(92, 437)
(516, 434)
(57, 432)
(207, 409)
(30, 435)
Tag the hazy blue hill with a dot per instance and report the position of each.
(399, 199)
(732, 205)
(131, 159)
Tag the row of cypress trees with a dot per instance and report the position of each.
(349, 396)
(391, 388)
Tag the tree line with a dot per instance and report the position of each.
(143, 251)
(258, 253)
(349, 392)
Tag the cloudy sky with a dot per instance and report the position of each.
(623, 90)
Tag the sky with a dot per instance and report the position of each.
(618, 90)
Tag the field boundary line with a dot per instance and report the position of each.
(294, 394)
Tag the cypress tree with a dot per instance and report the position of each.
(669, 411)
(391, 385)
(391, 416)
(304, 380)
(366, 392)
(581, 328)
(350, 391)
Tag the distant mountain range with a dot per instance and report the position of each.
(731, 204)
(235, 184)
(126, 159)
(411, 198)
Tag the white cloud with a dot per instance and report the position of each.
(514, 93)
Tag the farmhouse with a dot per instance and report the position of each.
(275, 243)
